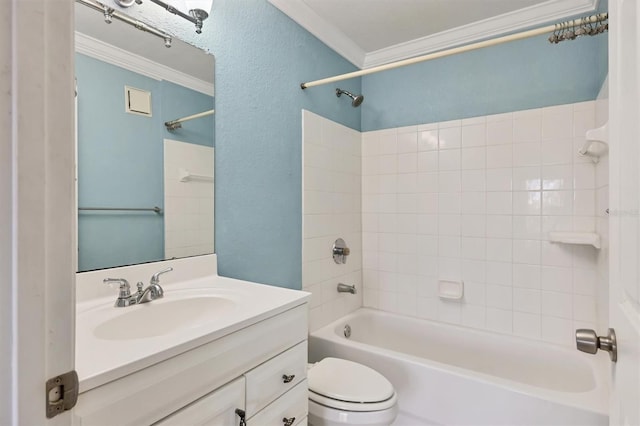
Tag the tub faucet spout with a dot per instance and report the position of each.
(344, 288)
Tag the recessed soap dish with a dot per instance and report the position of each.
(453, 290)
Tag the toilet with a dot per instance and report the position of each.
(344, 392)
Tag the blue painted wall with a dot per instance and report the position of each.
(525, 74)
(120, 161)
(261, 58)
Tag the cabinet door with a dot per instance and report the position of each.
(214, 409)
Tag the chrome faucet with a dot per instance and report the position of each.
(344, 288)
(143, 295)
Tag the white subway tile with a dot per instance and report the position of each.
(499, 203)
(388, 222)
(527, 203)
(500, 249)
(556, 304)
(428, 140)
(527, 300)
(473, 271)
(558, 152)
(527, 154)
(584, 176)
(527, 178)
(526, 251)
(473, 120)
(449, 246)
(557, 122)
(558, 330)
(499, 320)
(407, 142)
(527, 325)
(449, 203)
(499, 156)
(388, 184)
(474, 158)
(449, 182)
(584, 282)
(526, 276)
(388, 143)
(449, 225)
(407, 223)
(427, 245)
(584, 203)
(449, 312)
(475, 292)
(558, 279)
(428, 161)
(473, 180)
(474, 225)
(428, 202)
(408, 183)
(527, 128)
(388, 203)
(449, 159)
(557, 203)
(557, 177)
(584, 308)
(474, 135)
(427, 182)
(499, 296)
(408, 163)
(473, 316)
(499, 226)
(388, 164)
(499, 179)
(584, 118)
(500, 273)
(427, 308)
(449, 138)
(473, 248)
(500, 132)
(473, 203)
(428, 224)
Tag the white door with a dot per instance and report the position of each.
(36, 218)
(624, 293)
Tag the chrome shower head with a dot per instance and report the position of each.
(357, 100)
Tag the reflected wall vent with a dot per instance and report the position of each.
(137, 101)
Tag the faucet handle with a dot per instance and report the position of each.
(155, 278)
(124, 286)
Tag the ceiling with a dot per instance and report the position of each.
(375, 32)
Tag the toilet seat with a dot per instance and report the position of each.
(349, 386)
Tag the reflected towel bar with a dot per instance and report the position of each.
(176, 124)
(124, 209)
(186, 176)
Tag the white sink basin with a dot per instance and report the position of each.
(161, 317)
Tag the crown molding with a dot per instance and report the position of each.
(124, 59)
(515, 21)
(327, 33)
(549, 11)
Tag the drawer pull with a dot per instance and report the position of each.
(288, 379)
(288, 421)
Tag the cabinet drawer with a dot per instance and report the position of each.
(215, 409)
(267, 382)
(293, 404)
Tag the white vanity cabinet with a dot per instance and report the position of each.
(260, 369)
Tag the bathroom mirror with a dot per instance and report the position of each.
(145, 192)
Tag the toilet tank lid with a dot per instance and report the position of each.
(348, 381)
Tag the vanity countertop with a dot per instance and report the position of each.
(103, 358)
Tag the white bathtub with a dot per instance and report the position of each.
(449, 375)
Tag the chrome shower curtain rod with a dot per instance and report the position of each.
(563, 26)
(110, 13)
(176, 124)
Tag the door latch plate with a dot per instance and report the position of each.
(61, 393)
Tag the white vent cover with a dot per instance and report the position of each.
(137, 101)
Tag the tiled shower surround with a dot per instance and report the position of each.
(474, 200)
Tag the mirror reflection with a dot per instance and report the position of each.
(145, 189)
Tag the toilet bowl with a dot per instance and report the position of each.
(343, 392)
